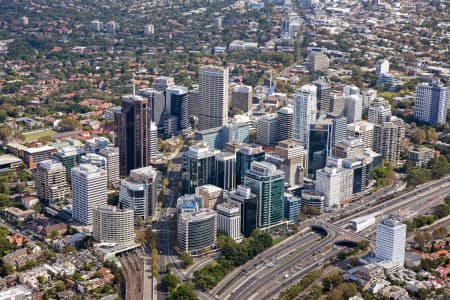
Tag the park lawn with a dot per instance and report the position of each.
(35, 135)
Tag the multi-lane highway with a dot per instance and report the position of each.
(256, 280)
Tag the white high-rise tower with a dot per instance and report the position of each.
(213, 110)
(305, 109)
(390, 241)
(89, 187)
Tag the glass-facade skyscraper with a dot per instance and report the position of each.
(244, 157)
(267, 182)
(198, 167)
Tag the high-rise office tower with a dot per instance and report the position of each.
(213, 110)
(323, 96)
(292, 208)
(113, 225)
(89, 187)
(368, 96)
(431, 103)
(387, 139)
(157, 100)
(339, 128)
(292, 155)
(112, 163)
(349, 148)
(337, 103)
(244, 157)
(267, 132)
(194, 103)
(379, 111)
(336, 184)
(225, 170)
(241, 98)
(198, 167)
(350, 90)
(267, 182)
(153, 140)
(353, 108)
(285, 123)
(161, 83)
(304, 112)
(177, 100)
(139, 192)
(229, 220)
(363, 130)
(391, 240)
(318, 61)
(320, 145)
(132, 131)
(51, 181)
(248, 204)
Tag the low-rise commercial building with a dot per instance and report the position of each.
(229, 220)
(197, 232)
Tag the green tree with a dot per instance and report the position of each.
(6, 270)
(5, 132)
(69, 124)
(170, 281)
(4, 188)
(416, 176)
(442, 210)
(113, 198)
(447, 200)
(440, 232)
(4, 200)
(332, 281)
(431, 134)
(186, 259)
(184, 291)
(363, 245)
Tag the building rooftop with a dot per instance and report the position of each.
(50, 164)
(210, 189)
(39, 149)
(392, 221)
(112, 209)
(9, 159)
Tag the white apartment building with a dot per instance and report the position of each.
(305, 108)
(382, 67)
(138, 192)
(390, 240)
(335, 183)
(113, 225)
(51, 181)
(213, 110)
(229, 220)
(362, 130)
(353, 108)
(351, 90)
(387, 139)
(89, 190)
(379, 111)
